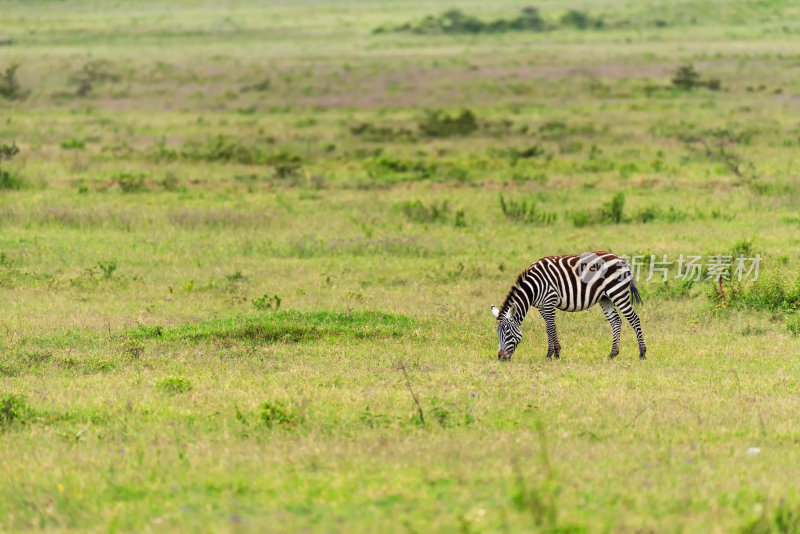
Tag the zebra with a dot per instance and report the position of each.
(570, 283)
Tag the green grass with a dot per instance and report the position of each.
(287, 327)
(245, 277)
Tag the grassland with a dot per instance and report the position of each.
(226, 265)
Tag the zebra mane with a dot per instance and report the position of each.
(507, 302)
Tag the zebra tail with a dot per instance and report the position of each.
(635, 292)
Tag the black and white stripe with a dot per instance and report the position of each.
(571, 283)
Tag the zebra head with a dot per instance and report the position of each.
(508, 333)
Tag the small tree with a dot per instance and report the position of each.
(10, 89)
(93, 72)
(686, 78)
(580, 20)
(9, 180)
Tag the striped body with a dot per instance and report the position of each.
(570, 283)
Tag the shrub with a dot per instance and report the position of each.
(687, 78)
(416, 169)
(440, 413)
(107, 267)
(647, 214)
(743, 247)
(170, 182)
(419, 212)
(91, 74)
(221, 148)
(276, 414)
(373, 419)
(73, 144)
(516, 154)
(285, 165)
(8, 179)
(230, 150)
(265, 302)
(131, 183)
(10, 88)
(437, 123)
(263, 85)
(525, 211)
(380, 133)
(451, 21)
(454, 21)
(460, 220)
(784, 519)
(581, 218)
(770, 292)
(612, 211)
(793, 323)
(674, 289)
(528, 20)
(12, 408)
(149, 332)
(174, 384)
(580, 20)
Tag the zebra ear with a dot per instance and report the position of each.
(495, 311)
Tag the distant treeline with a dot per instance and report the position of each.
(454, 21)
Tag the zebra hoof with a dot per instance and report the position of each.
(642, 357)
(612, 355)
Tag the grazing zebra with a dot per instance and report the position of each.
(570, 283)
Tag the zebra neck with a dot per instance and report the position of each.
(523, 303)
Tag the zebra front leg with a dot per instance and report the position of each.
(616, 324)
(553, 346)
(633, 319)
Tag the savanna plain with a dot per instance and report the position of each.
(248, 250)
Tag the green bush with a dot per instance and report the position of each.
(647, 214)
(93, 73)
(380, 133)
(275, 414)
(174, 384)
(674, 289)
(225, 149)
(793, 323)
(419, 212)
(770, 292)
(687, 78)
(382, 167)
(9, 180)
(437, 123)
(612, 211)
(265, 302)
(784, 519)
(12, 408)
(454, 21)
(580, 20)
(10, 89)
(581, 218)
(525, 211)
(107, 267)
(73, 144)
(131, 183)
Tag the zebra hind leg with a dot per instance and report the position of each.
(627, 310)
(610, 311)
